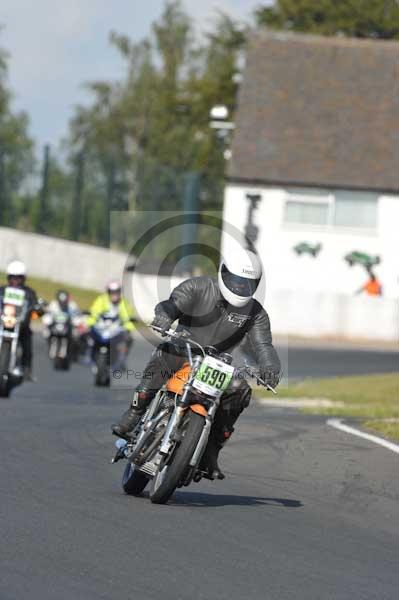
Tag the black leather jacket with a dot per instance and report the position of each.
(199, 306)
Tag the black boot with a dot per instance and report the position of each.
(128, 422)
(209, 461)
(132, 416)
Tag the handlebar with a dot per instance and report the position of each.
(256, 375)
(246, 368)
(179, 336)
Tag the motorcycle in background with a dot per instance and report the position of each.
(67, 337)
(59, 335)
(80, 334)
(13, 312)
(109, 347)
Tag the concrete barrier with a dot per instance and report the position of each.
(61, 260)
(292, 312)
(333, 315)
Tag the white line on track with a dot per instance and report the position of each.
(337, 423)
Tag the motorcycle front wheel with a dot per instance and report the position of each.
(102, 374)
(133, 481)
(4, 366)
(170, 474)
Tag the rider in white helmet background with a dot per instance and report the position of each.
(16, 277)
(220, 313)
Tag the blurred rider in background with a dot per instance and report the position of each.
(63, 303)
(16, 277)
(113, 304)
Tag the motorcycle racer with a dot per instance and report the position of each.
(112, 303)
(16, 277)
(63, 303)
(217, 313)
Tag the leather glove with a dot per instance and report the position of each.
(40, 306)
(270, 377)
(162, 321)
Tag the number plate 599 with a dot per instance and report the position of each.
(213, 377)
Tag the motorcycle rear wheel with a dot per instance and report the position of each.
(133, 481)
(168, 477)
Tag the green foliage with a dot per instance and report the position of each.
(16, 151)
(353, 18)
(141, 135)
(372, 398)
(135, 142)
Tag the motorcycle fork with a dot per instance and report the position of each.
(14, 349)
(63, 347)
(53, 347)
(179, 412)
(203, 441)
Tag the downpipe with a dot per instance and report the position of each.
(147, 416)
(148, 428)
(153, 406)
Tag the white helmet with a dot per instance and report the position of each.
(113, 286)
(16, 268)
(239, 274)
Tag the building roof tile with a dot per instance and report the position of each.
(318, 111)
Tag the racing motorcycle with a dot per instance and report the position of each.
(13, 311)
(109, 349)
(59, 339)
(166, 447)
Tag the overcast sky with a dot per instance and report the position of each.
(56, 45)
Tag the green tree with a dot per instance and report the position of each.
(50, 214)
(354, 18)
(16, 151)
(142, 135)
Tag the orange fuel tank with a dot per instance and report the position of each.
(176, 383)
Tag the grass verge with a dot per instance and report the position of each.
(47, 289)
(373, 398)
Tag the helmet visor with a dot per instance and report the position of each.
(240, 286)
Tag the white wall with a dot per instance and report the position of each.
(314, 314)
(328, 272)
(145, 291)
(83, 265)
(315, 297)
(311, 312)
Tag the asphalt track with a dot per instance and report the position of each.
(306, 512)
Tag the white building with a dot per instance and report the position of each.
(317, 139)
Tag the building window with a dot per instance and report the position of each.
(338, 209)
(313, 213)
(355, 210)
